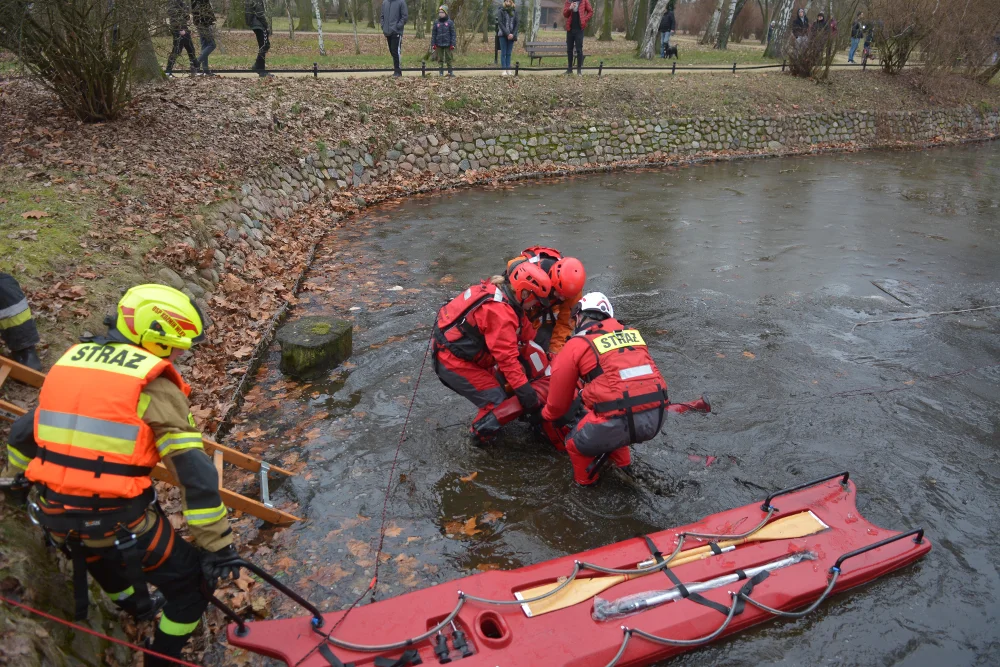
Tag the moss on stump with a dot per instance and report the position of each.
(312, 345)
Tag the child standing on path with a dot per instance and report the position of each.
(443, 40)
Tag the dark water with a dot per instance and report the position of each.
(746, 279)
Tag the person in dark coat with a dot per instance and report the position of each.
(800, 26)
(857, 34)
(393, 20)
(667, 26)
(507, 24)
(204, 21)
(443, 39)
(17, 327)
(256, 17)
(177, 13)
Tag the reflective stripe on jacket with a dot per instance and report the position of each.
(92, 441)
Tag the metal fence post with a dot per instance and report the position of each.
(783, 65)
(517, 67)
(423, 68)
(864, 64)
(600, 69)
(315, 71)
(734, 68)
(673, 68)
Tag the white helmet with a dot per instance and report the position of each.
(596, 304)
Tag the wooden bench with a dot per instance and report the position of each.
(538, 50)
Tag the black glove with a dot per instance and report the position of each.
(222, 564)
(528, 398)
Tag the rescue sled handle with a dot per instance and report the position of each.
(241, 628)
(766, 507)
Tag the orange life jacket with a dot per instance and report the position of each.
(94, 450)
(625, 379)
(454, 333)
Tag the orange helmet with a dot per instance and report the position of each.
(527, 278)
(568, 277)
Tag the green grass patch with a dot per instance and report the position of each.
(59, 243)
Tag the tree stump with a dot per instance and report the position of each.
(312, 345)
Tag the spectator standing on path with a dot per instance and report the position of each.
(857, 33)
(443, 39)
(256, 17)
(393, 20)
(800, 26)
(17, 327)
(820, 27)
(204, 21)
(507, 31)
(667, 26)
(577, 15)
(177, 13)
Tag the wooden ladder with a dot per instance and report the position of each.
(262, 509)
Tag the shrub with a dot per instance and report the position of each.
(88, 52)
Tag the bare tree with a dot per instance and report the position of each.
(766, 16)
(652, 31)
(965, 39)
(84, 51)
(319, 28)
(782, 20)
(354, 9)
(291, 22)
(303, 10)
(606, 27)
(536, 19)
(735, 7)
(713, 24)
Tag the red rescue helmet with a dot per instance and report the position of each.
(568, 277)
(527, 279)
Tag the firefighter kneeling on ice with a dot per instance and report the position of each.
(110, 409)
(623, 398)
(483, 341)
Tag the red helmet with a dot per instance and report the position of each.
(531, 278)
(568, 277)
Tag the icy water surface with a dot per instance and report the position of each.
(746, 279)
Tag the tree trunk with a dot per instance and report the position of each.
(641, 19)
(765, 16)
(146, 66)
(303, 9)
(629, 19)
(735, 7)
(783, 12)
(373, 13)
(652, 29)
(487, 6)
(713, 24)
(609, 12)
(291, 23)
(536, 18)
(319, 28)
(234, 17)
(418, 23)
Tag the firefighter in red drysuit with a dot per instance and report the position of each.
(623, 398)
(478, 341)
(553, 324)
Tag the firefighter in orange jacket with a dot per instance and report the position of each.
(109, 410)
(553, 322)
(480, 338)
(623, 398)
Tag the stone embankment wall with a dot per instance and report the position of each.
(246, 224)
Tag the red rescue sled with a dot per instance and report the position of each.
(849, 552)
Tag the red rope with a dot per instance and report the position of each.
(385, 507)
(94, 632)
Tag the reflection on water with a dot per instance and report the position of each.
(746, 279)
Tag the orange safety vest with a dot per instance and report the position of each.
(625, 379)
(93, 447)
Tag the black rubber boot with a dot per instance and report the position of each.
(168, 645)
(27, 357)
(128, 605)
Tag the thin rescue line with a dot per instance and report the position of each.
(373, 585)
(81, 628)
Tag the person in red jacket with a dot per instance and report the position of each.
(478, 340)
(553, 324)
(577, 14)
(623, 398)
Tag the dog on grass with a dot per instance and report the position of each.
(670, 51)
